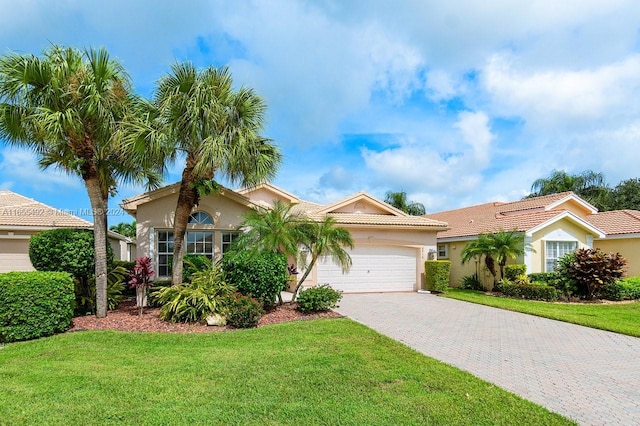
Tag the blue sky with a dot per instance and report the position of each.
(455, 103)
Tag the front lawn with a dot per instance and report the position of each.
(310, 372)
(618, 317)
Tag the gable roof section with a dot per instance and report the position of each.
(522, 215)
(17, 210)
(392, 217)
(617, 222)
(271, 188)
(130, 205)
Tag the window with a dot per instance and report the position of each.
(443, 251)
(165, 253)
(197, 242)
(556, 250)
(227, 239)
(200, 218)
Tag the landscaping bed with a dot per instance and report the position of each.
(125, 318)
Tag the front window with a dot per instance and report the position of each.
(197, 242)
(227, 239)
(556, 250)
(200, 218)
(443, 251)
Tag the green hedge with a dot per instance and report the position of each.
(436, 274)
(543, 277)
(530, 291)
(625, 289)
(511, 272)
(34, 304)
(261, 275)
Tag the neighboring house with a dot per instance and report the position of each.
(21, 217)
(554, 225)
(622, 229)
(390, 246)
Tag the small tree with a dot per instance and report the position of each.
(592, 269)
(140, 279)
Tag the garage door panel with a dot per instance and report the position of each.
(375, 268)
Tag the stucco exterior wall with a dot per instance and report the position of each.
(555, 232)
(627, 247)
(157, 215)
(264, 195)
(14, 253)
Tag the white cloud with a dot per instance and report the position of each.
(20, 165)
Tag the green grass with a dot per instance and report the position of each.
(310, 372)
(621, 318)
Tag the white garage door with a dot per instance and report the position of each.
(375, 268)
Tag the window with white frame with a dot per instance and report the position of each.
(197, 242)
(443, 251)
(227, 239)
(556, 250)
(200, 218)
(165, 253)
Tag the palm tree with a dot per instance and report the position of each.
(481, 246)
(322, 239)
(196, 114)
(124, 228)
(499, 246)
(589, 185)
(275, 229)
(67, 107)
(399, 200)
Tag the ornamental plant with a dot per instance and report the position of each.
(592, 269)
(140, 279)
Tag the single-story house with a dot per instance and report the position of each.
(553, 225)
(21, 217)
(389, 252)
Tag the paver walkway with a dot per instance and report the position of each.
(588, 375)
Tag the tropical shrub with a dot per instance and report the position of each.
(591, 269)
(625, 289)
(262, 275)
(206, 294)
(243, 311)
(34, 304)
(472, 282)
(152, 294)
(436, 274)
(126, 264)
(193, 263)
(529, 291)
(513, 271)
(85, 291)
(319, 298)
(65, 250)
(140, 279)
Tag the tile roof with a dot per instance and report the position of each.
(380, 219)
(17, 210)
(617, 222)
(521, 215)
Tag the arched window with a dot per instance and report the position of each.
(200, 218)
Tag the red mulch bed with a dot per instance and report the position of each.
(125, 318)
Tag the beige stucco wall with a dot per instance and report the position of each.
(264, 195)
(157, 215)
(423, 241)
(574, 207)
(14, 252)
(539, 238)
(627, 247)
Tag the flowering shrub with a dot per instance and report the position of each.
(243, 311)
(140, 279)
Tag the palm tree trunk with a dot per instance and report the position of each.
(187, 198)
(304, 277)
(99, 207)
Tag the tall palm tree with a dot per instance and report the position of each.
(400, 201)
(124, 228)
(196, 114)
(322, 239)
(275, 229)
(589, 185)
(67, 107)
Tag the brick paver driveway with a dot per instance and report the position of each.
(589, 375)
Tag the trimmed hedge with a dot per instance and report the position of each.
(318, 299)
(261, 275)
(530, 291)
(625, 289)
(543, 277)
(511, 272)
(243, 311)
(436, 274)
(34, 304)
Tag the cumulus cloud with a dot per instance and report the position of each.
(20, 165)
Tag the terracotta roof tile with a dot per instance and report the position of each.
(17, 210)
(617, 222)
(381, 219)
